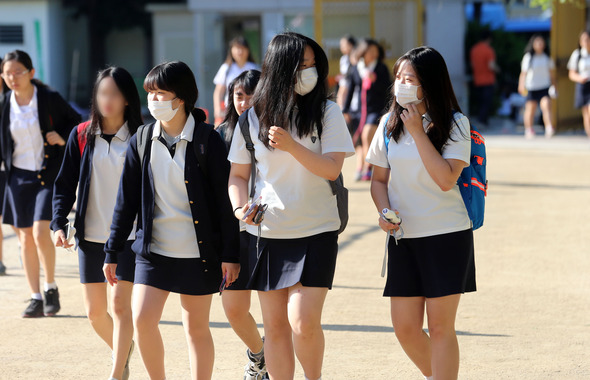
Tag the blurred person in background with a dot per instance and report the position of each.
(484, 67)
(579, 72)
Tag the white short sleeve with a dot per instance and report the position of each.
(573, 62)
(526, 62)
(377, 154)
(238, 154)
(551, 64)
(459, 144)
(335, 136)
(221, 75)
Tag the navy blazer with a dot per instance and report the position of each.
(216, 227)
(75, 173)
(55, 114)
(377, 96)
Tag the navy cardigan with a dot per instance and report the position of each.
(216, 227)
(55, 114)
(75, 170)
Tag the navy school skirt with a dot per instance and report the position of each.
(27, 199)
(537, 95)
(91, 258)
(282, 263)
(183, 276)
(432, 266)
(2, 189)
(582, 95)
(242, 282)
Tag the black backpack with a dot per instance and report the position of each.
(337, 186)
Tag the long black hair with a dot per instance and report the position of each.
(24, 59)
(247, 81)
(126, 86)
(275, 98)
(529, 46)
(229, 59)
(178, 78)
(439, 97)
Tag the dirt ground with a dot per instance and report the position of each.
(529, 319)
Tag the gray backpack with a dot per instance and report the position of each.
(337, 186)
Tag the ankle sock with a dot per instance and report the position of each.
(37, 296)
(48, 286)
(429, 377)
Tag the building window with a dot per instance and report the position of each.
(11, 34)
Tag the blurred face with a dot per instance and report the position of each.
(539, 45)
(345, 47)
(109, 99)
(241, 100)
(585, 41)
(16, 75)
(371, 55)
(406, 75)
(239, 53)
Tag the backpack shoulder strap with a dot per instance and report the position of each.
(81, 134)
(245, 129)
(385, 136)
(200, 143)
(142, 138)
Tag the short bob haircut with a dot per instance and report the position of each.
(439, 97)
(275, 98)
(126, 86)
(175, 77)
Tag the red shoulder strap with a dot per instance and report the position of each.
(81, 129)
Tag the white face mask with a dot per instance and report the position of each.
(406, 94)
(306, 81)
(162, 109)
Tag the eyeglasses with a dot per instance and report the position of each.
(14, 74)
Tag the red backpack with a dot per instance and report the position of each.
(81, 130)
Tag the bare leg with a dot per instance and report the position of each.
(305, 316)
(529, 118)
(123, 325)
(30, 258)
(95, 303)
(279, 354)
(148, 304)
(546, 110)
(441, 326)
(586, 117)
(45, 248)
(236, 304)
(407, 315)
(195, 318)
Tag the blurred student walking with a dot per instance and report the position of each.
(36, 122)
(92, 165)
(537, 77)
(239, 59)
(174, 181)
(416, 174)
(483, 64)
(300, 141)
(579, 72)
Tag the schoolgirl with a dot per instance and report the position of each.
(93, 163)
(239, 59)
(537, 76)
(300, 142)
(236, 298)
(174, 181)
(579, 72)
(432, 264)
(35, 123)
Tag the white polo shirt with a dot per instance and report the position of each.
(300, 203)
(173, 231)
(538, 71)
(580, 64)
(107, 166)
(425, 209)
(26, 133)
(227, 73)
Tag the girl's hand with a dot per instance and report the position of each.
(232, 271)
(60, 239)
(53, 138)
(412, 119)
(241, 212)
(386, 226)
(110, 273)
(280, 139)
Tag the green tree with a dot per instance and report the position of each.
(548, 3)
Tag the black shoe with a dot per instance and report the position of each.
(34, 310)
(51, 306)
